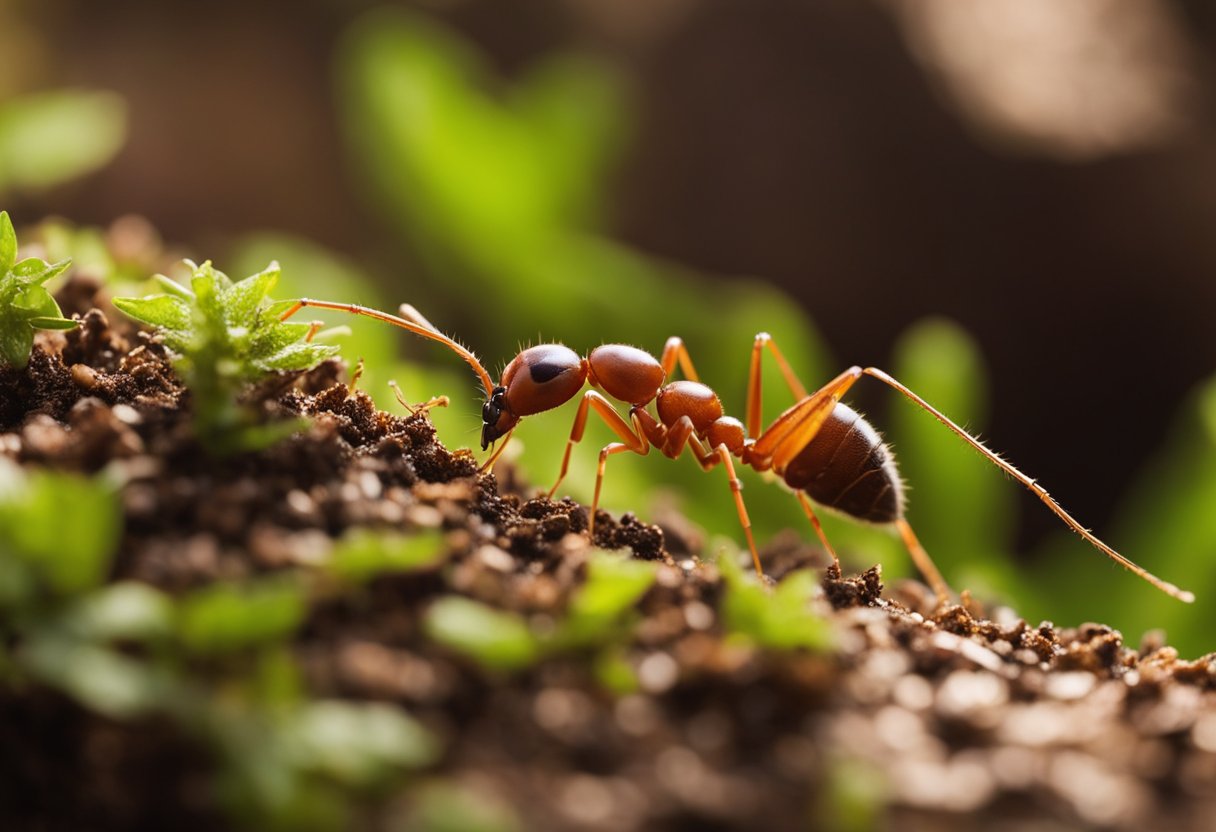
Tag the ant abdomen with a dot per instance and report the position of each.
(849, 468)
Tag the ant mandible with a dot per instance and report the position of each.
(823, 449)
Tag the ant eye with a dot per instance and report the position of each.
(487, 413)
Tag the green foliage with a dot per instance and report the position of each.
(96, 675)
(53, 606)
(958, 501)
(123, 611)
(613, 587)
(595, 618)
(853, 799)
(226, 617)
(120, 256)
(310, 270)
(496, 639)
(25, 304)
(299, 767)
(358, 744)
(362, 555)
(441, 806)
(781, 619)
(40, 555)
(47, 138)
(226, 335)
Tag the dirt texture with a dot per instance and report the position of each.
(961, 718)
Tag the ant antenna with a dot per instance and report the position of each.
(1036, 489)
(420, 326)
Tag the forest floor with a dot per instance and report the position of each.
(887, 712)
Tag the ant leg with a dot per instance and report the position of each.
(763, 340)
(677, 437)
(923, 562)
(408, 312)
(673, 351)
(920, 557)
(736, 488)
(709, 460)
(415, 409)
(607, 451)
(313, 328)
(1033, 487)
(814, 518)
(634, 438)
(488, 465)
(792, 430)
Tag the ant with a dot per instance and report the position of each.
(825, 451)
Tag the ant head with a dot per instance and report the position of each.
(496, 417)
(538, 379)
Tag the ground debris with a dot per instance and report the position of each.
(951, 718)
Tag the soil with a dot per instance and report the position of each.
(964, 718)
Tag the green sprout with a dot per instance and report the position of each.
(780, 619)
(25, 304)
(597, 618)
(226, 335)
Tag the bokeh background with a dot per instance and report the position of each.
(1009, 204)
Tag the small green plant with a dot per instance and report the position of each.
(225, 336)
(25, 304)
(782, 619)
(598, 617)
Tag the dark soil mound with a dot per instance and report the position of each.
(928, 718)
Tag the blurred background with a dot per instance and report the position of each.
(1009, 205)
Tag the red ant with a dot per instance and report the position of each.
(823, 449)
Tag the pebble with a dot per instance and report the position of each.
(658, 672)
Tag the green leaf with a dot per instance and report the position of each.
(499, 640)
(16, 341)
(53, 323)
(782, 619)
(853, 797)
(17, 584)
(228, 617)
(33, 271)
(614, 672)
(269, 339)
(69, 557)
(8, 243)
(165, 311)
(614, 585)
(173, 287)
(961, 506)
(34, 302)
(362, 554)
(51, 137)
(358, 744)
(297, 357)
(209, 286)
(242, 300)
(126, 610)
(278, 309)
(105, 681)
(440, 806)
